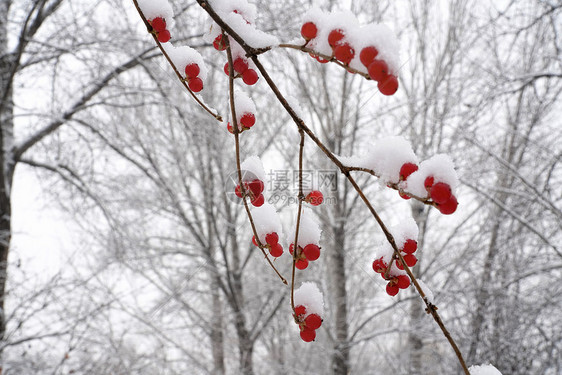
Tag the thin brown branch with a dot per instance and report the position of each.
(298, 224)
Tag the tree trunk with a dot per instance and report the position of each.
(6, 162)
(340, 357)
(245, 343)
(217, 336)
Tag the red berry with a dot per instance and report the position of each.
(309, 31)
(301, 264)
(428, 183)
(258, 201)
(237, 190)
(308, 335)
(399, 265)
(272, 238)
(344, 53)
(367, 55)
(388, 86)
(291, 246)
(410, 260)
(335, 36)
(379, 266)
(219, 44)
(230, 128)
(404, 195)
(254, 241)
(315, 198)
(192, 70)
(300, 310)
(164, 36)
(226, 69)
(410, 246)
(378, 70)
(158, 24)
(392, 289)
(311, 252)
(256, 187)
(195, 84)
(403, 281)
(448, 207)
(313, 321)
(240, 65)
(440, 192)
(407, 169)
(276, 250)
(248, 120)
(250, 77)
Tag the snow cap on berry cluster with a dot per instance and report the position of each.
(406, 230)
(439, 166)
(243, 104)
(266, 221)
(157, 8)
(309, 296)
(243, 8)
(385, 157)
(309, 230)
(484, 370)
(252, 168)
(182, 56)
(242, 22)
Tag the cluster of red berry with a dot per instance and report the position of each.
(310, 252)
(407, 251)
(240, 63)
(191, 74)
(441, 194)
(343, 50)
(159, 26)
(247, 120)
(241, 69)
(395, 281)
(254, 190)
(379, 71)
(308, 323)
(272, 243)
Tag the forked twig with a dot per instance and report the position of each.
(178, 74)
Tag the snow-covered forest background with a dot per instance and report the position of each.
(123, 250)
